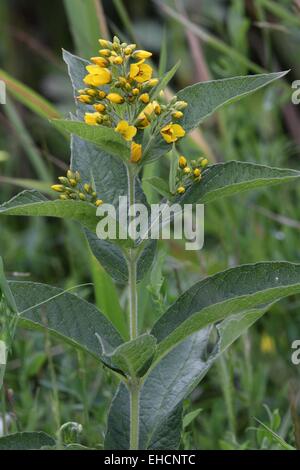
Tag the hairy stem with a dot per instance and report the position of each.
(134, 386)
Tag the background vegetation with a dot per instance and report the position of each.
(47, 384)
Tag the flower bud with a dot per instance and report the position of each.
(153, 82)
(177, 115)
(63, 180)
(105, 52)
(182, 162)
(104, 43)
(58, 188)
(141, 55)
(181, 190)
(88, 188)
(145, 98)
(180, 105)
(115, 98)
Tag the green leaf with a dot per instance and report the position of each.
(190, 417)
(227, 293)
(169, 383)
(113, 260)
(107, 297)
(275, 437)
(206, 97)
(84, 20)
(5, 290)
(66, 316)
(163, 83)
(159, 184)
(32, 203)
(105, 138)
(26, 441)
(226, 179)
(134, 357)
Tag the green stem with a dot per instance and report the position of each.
(134, 416)
(134, 386)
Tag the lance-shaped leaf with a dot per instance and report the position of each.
(105, 138)
(113, 260)
(226, 179)
(26, 441)
(207, 97)
(66, 316)
(134, 357)
(169, 383)
(217, 297)
(32, 203)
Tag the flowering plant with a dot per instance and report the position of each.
(124, 120)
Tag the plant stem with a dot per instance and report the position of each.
(132, 298)
(134, 386)
(134, 416)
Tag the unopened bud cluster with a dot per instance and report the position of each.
(71, 187)
(189, 172)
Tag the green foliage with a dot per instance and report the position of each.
(26, 441)
(206, 319)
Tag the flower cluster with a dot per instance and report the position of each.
(189, 172)
(122, 94)
(71, 187)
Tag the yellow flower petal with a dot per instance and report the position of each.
(128, 132)
(142, 54)
(93, 119)
(140, 72)
(98, 76)
(136, 152)
(115, 98)
(172, 132)
(100, 61)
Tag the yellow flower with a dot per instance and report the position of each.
(177, 114)
(141, 55)
(182, 162)
(197, 173)
(135, 91)
(172, 132)
(105, 52)
(98, 203)
(117, 60)
(86, 99)
(105, 43)
(99, 107)
(187, 170)
(153, 82)
(267, 344)
(142, 121)
(136, 152)
(93, 119)
(126, 131)
(204, 162)
(181, 190)
(140, 72)
(97, 76)
(115, 98)
(100, 61)
(91, 92)
(145, 98)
